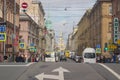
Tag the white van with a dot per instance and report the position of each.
(89, 55)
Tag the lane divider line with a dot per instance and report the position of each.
(112, 71)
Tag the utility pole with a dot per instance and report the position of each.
(14, 32)
(4, 22)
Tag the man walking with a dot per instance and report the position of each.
(118, 58)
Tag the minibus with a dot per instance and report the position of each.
(89, 55)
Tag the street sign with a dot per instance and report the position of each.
(2, 23)
(22, 45)
(116, 25)
(24, 5)
(32, 49)
(8, 45)
(60, 76)
(32, 44)
(98, 50)
(15, 42)
(2, 28)
(2, 37)
(98, 46)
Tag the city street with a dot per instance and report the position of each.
(58, 70)
(59, 39)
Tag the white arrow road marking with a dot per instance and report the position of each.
(113, 72)
(42, 76)
(59, 77)
(61, 72)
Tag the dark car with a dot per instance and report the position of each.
(78, 59)
(63, 58)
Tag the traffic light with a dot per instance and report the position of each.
(105, 47)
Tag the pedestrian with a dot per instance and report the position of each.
(17, 58)
(9, 58)
(114, 58)
(101, 59)
(0, 59)
(118, 58)
(104, 59)
(5, 58)
(98, 59)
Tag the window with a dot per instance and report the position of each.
(110, 27)
(116, 32)
(116, 28)
(116, 36)
(118, 5)
(110, 9)
(89, 55)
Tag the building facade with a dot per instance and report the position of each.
(50, 40)
(116, 15)
(83, 32)
(100, 25)
(9, 13)
(28, 36)
(36, 12)
(94, 28)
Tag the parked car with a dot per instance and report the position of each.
(78, 59)
(63, 58)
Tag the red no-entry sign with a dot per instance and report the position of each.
(24, 5)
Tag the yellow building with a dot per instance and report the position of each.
(100, 23)
(94, 29)
(74, 40)
(83, 32)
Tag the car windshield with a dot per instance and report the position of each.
(89, 55)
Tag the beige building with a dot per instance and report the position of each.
(74, 40)
(83, 33)
(94, 29)
(12, 24)
(100, 23)
(28, 36)
(36, 12)
(50, 40)
(61, 44)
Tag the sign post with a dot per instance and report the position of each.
(24, 6)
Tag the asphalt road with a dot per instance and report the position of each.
(58, 71)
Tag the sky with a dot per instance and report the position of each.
(65, 14)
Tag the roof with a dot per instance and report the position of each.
(89, 50)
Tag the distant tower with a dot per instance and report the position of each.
(48, 23)
(61, 44)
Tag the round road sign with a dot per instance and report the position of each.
(24, 5)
